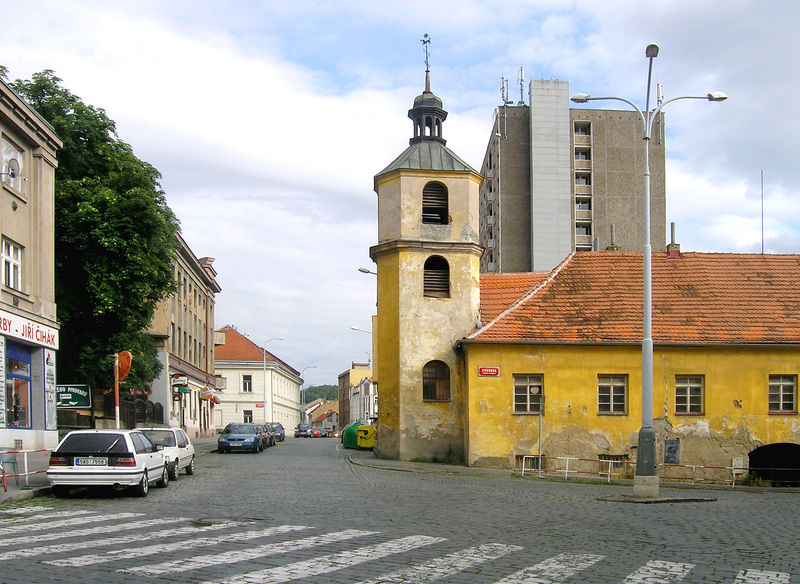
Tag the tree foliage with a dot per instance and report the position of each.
(114, 240)
(328, 392)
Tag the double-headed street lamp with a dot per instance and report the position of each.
(645, 483)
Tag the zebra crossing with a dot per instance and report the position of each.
(122, 546)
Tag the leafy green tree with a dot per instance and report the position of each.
(114, 240)
(328, 392)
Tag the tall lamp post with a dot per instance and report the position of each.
(645, 482)
(302, 414)
(271, 400)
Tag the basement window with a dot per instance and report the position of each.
(434, 204)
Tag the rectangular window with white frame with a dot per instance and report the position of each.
(247, 384)
(612, 394)
(528, 394)
(689, 394)
(783, 394)
(12, 265)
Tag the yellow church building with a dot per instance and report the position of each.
(484, 369)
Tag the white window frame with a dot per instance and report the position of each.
(528, 394)
(690, 395)
(609, 387)
(12, 265)
(782, 394)
(247, 383)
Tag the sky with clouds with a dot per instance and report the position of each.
(268, 121)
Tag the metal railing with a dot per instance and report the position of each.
(16, 474)
(570, 467)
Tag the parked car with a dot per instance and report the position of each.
(302, 430)
(267, 435)
(116, 458)
(280, 433)
(178, 449)
(237, 436)
(316, 433)
(337, 434)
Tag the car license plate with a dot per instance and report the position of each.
(91, 461)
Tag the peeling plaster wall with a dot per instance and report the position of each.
(735, 420)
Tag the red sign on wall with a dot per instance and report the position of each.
(488, 372)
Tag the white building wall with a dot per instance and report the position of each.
(275, 395)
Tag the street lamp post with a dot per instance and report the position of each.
(271, 397)
(302, 414)
(646, 481)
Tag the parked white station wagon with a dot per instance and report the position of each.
(178, 449)
(114, 458)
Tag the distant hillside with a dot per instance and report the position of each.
(328, 392)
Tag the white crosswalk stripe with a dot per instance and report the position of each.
(20, 523)
(89, 531)
(762, 577)
(447, 565)
(248, 554)
(162, 548)
(109, 541)
(658, 572)
(553, 570)
(332, 562)
(65, 523)
(14, 514)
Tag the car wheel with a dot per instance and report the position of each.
(190, 468)
(163, 482)
(60, 491)
(255, 448)
(173, 470)
(143, 486)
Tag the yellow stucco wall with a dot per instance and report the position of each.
(735, 419)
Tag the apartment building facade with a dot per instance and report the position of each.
(183, 328)
(559, 179)
(28, 319)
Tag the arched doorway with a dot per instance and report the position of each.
(778, 463)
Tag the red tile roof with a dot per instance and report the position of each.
(238, 347)
(499, 291)
(698, 298)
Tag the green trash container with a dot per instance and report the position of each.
(350, 436)
(366, 437)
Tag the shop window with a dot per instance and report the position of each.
(18, 386)
(435, 381)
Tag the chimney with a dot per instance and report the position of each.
(613, 246)
(673, 249)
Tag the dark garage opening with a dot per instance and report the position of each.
(778, 463)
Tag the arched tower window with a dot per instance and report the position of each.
(434, 204)
(436, 381)
(436, 280)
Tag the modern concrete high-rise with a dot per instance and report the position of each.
(559, 179)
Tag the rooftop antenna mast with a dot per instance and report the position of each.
(504, 91)
(521, 86)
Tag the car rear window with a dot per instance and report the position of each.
(160, 437)
(98, 443)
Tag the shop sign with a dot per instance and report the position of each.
(18, 327)
(73, 396)
(488, 372)
(180, 380)
(183, 389)
(206, 393)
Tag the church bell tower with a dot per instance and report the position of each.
(427, 260)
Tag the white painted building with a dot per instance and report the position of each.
(258, 386)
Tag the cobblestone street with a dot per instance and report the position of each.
(303, 511)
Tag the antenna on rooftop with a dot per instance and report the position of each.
(504, 91)
(521, 86)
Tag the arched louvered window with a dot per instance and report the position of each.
(436, 281)
(434, 204)
(436, 381)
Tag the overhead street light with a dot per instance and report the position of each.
(355, 328)
(367, 271)
(645, 482)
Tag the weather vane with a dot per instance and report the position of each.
(426, 40)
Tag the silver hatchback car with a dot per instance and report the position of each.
(116, 458)
(178, 449)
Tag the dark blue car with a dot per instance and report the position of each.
(239, 437)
